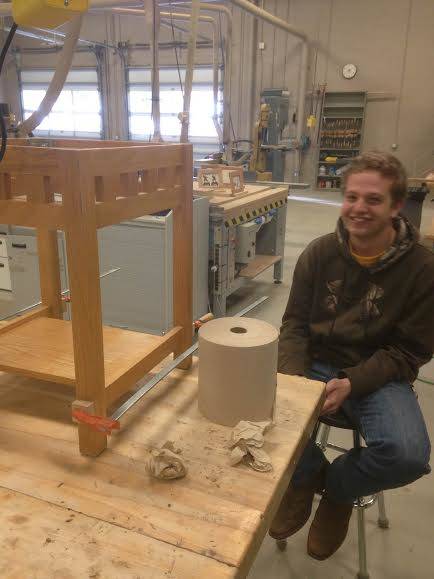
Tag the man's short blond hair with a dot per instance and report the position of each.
(387, 165)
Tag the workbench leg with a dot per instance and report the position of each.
(83, 268)
(183, 261)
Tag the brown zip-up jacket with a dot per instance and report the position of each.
(374, 324)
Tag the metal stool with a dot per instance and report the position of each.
(341, 420)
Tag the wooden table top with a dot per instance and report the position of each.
(66, 516)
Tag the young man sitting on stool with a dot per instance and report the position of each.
(360, 317)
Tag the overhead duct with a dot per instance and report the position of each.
(188, 84)
(58, 81)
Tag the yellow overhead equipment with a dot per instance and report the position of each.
(46, 13)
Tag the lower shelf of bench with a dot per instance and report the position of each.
(42, 348)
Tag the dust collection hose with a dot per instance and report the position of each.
(55, 88)
(57, 82)
(3, 129)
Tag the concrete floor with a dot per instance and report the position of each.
(405, 551)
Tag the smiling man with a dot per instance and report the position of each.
(360, 317)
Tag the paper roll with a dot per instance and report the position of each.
(237, 370)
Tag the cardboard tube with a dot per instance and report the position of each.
(237, 370)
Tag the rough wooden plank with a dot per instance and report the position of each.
(68, 545)
(217, 511)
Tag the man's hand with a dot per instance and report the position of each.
(337, 390)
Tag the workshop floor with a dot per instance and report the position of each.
(405, 551)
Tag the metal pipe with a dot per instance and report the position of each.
(264, 15)
(164, 16)
(187, 17)
(304, 62)
(252, 102)
(188, 84)
(215, 60)
(91, 43)
(152, 15)
(168, 24)
(227, 138)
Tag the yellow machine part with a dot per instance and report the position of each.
(46, 13)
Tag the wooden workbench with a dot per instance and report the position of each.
(255, 200)
(66, 516)
(226, 213)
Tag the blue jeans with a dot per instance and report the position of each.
(397, 445)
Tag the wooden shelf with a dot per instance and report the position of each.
(258, 265)
(42, 348)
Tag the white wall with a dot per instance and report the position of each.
(392, 44)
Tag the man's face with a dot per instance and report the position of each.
(368, 209)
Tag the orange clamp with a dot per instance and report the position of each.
(203, 320)
(98, 423)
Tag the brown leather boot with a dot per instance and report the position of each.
(296, 506)
(329, 528)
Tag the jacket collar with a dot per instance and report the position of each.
(406, 237)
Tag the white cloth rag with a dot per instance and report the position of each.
(246, 445)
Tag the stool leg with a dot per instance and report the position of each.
(363, 567)
(323, 437)
(383, 521)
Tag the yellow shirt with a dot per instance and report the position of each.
(366, 261)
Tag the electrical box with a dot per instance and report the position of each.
(245, 250)
(46, 13)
